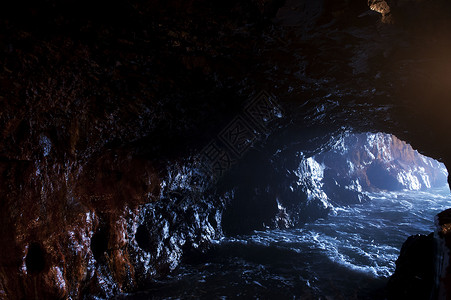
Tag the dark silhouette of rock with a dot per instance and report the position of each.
(414, 277)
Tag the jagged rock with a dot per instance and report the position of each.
(383, 8)
(415, 268)
(368, 162)
(422, 269)
(442, 272)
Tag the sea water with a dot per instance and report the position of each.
(348, 255)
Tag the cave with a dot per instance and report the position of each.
(251, 148)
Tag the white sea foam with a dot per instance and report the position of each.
(365, 237)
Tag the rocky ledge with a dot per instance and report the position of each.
(422, 269)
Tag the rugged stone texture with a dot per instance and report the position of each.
(442, 274)
(371, 162)
(383, 8)
(99, 232)
(286, 188)
(415, 268)
(422, 269)
(60, 217)
(91, 110)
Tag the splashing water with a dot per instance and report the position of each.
(349, 255)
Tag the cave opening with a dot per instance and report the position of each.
(327, 221)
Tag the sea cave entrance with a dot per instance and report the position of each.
(316, 222)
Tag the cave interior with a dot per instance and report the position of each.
(138, 134)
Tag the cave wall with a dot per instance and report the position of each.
(98, 99)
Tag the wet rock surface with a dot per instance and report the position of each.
(372, 162)
(422, 269)
(102, 105)
(415, 268)
(442, 274)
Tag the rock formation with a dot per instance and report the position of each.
(415, 267)
(372, 162)
(294, 188)
(422, 269)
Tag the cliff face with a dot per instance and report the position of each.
(290, 188)
(372, 162)
(97, 230)
(98, 110)
(104, 104)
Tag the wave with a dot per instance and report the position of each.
(351, 251)
(363, 237)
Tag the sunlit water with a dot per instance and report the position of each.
(349, 255)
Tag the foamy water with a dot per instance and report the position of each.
(349, 254)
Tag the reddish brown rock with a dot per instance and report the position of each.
(383, 8)
(50, 251)
(443, 232)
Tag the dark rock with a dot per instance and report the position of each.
(414, 277)
(373, 162)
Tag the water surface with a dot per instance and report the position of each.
(348, 255)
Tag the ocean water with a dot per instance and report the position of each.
(348, 255)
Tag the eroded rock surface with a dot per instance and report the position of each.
(415, 268)
(422, 269)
